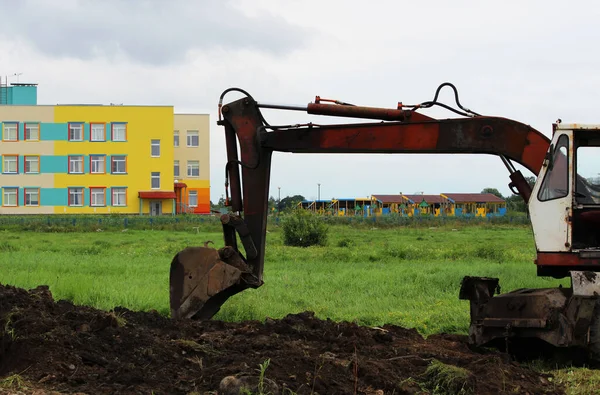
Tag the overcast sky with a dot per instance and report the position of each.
(532, 61)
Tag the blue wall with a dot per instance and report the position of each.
(19, 95)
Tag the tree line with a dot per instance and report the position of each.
(513, 202)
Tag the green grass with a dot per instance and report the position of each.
(408, 276)
(404, 276)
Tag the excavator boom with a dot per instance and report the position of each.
(203, 279)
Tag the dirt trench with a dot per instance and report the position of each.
(50, 347)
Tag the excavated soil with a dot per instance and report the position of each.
(56, 347)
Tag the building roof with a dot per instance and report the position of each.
(474, 197)
(390, 199)
(428, 198)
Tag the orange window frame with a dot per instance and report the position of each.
(25, 131)
(112, 131)
(104, 156)
(4, 169)
(10, 123)
(103, 190)
(25, 197)
(69, 197)
(91, 134)
(4, 203)
(69, 164)
(25, 164)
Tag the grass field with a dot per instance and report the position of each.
(406, 276)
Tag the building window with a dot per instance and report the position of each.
(119, 164)
(98, 131)
(155, 148)
(119, 196)
(32, 164)
(10, 131)
(76, 164)
(32, 131)
(97, 197)
(75, 132)
(193, 199)
(11, 164)
(10, 197)
(192, 138)
(97, 164)
(75, 196)
(119, 132)
(32, 197)
(176, 138)
(176, 169)
(155, 180)
(193, 168)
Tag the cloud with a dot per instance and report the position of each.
(146, 31)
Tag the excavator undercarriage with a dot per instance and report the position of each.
(203, 278)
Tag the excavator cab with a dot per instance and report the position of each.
(564, 209)
(565, 204)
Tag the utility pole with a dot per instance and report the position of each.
(319, 194)
(278, 200)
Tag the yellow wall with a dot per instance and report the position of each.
(144, 123)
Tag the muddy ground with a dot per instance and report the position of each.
(56, 346)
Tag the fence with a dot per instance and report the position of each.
(78, 223)
(57, 222)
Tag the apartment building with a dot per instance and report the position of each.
(100, 158)
(192, 162)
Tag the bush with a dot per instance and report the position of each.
(302, 228)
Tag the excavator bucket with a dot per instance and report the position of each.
(203, 278)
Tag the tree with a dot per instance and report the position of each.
(272, 205)
(219, 205)
(290, 202)
(493, 191)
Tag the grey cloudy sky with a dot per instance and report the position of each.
(532, 61)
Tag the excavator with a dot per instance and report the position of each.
(563, 205)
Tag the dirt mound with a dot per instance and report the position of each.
(56, 346)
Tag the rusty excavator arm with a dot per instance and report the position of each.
(203, 278)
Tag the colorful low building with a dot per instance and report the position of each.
(477, 204)
(409, 205)
(101, 159)
(445, 204)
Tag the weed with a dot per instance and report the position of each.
(119, 319)
(87, 250)
(261, 376)
(195, 346)
(491, 252)
(5, 246)
(345, 243)
(13, 382)
(448, 379)
(8, 326)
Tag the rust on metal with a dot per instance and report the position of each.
(197, 274)
(554, 315)
(512, 139)
(569, 259)
(384, 114)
